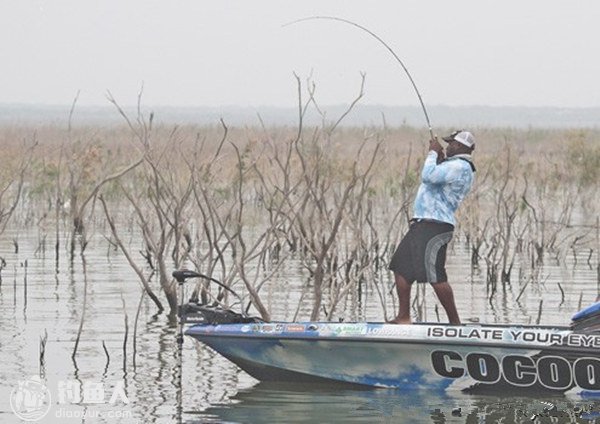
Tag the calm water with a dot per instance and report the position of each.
(37, 297)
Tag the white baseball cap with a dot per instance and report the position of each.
(462, 136)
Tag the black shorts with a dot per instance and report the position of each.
(421, 255)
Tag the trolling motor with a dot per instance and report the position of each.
(587, 320)
(193, 312)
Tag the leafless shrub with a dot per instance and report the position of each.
(240, 204)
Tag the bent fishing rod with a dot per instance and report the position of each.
(372, 34)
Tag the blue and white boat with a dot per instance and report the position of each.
(473, 358)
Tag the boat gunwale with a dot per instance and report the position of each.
(374, 339)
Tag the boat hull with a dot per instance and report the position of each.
(413, 357)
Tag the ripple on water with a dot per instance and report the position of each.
(213, 388)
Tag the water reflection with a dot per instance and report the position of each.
(275, 402)
(213, 388)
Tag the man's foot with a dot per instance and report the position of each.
(399, 321)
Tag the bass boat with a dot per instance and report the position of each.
(474, 358)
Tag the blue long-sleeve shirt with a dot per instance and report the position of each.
(443, 187)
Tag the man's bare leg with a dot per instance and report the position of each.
(446, 296)
(403, 289)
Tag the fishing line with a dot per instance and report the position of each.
(371, 33)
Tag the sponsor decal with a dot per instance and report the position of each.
(226, 328)
(389, 330)
(343, 330)
(295, 328)
(552, 372)
(245, 328)
(271, 328)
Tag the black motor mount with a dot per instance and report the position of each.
(204, 313)
(210, 314)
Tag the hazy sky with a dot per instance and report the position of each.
(212, 53)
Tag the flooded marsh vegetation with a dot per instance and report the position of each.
(300, 222)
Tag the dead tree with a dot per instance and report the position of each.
(11, 185)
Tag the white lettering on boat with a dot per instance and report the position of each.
(540, 336)
(389, 330)
(465, 333)
(583, 340)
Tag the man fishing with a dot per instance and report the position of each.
(421, 255)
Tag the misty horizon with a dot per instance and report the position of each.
(360, 115)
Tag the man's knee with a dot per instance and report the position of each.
(401, 282)
(442, 288)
